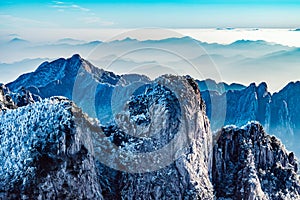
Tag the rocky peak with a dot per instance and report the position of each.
(248, 161)
(2, 93)
(61, 72)
(284, 116)
(262, 89)
(164, 142)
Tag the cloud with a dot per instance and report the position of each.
(80, 8)
(61, 6)
(58, 2)
(87, 16)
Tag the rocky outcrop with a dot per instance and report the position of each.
(158, 148)
(250, 164)
(6, 102)
(10, 100)
(98, 93)
(161, 143)
(43, 154)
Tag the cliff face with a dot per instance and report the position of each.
(5, 100)
(165, 144)
(284, 116)
(250, 164)
(238, 106)
(278, 113)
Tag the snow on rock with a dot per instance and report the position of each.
(250, 164)
(11, 100)
(6, 102)
(160, 146)
(43, 156)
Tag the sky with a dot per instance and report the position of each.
(78, 14)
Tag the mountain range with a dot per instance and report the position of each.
(107, 93)
(160, 145)
(235, 62)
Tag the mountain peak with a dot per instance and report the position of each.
(47, 72)
(127, 39)
(248, 42)
(59, 76)
(263, 84)
(76, 57)
(252, 85)
(17, 41)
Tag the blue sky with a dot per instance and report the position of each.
(16, 14)
(164, 1)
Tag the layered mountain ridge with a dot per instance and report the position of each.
(78, 79)
(153, 140)
(51, 149)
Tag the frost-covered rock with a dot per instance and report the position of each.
(43, 154)
(250, 164)
(161, 142)
(6, 102)
(11, 100)
(93, 89)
